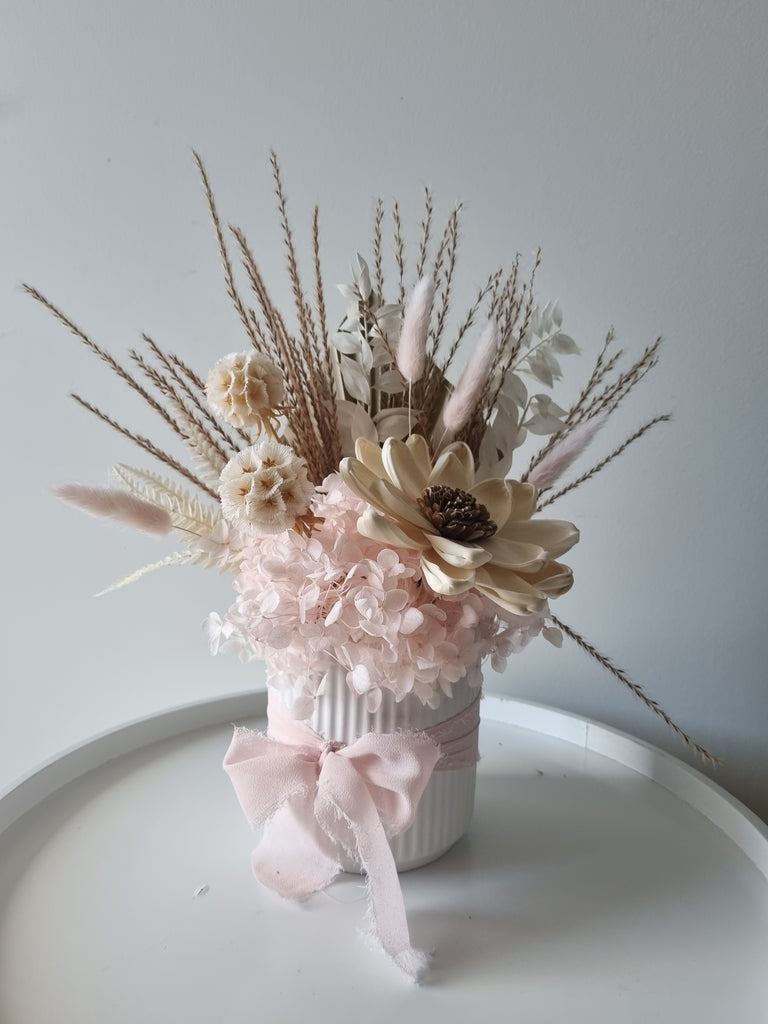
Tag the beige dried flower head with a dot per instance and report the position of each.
(470, 534)
(245, 389)
(265, 489)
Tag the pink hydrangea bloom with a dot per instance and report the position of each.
(338, 598)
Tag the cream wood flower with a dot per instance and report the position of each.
(471, 535)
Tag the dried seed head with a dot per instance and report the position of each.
(456, 514)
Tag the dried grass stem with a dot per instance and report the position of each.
(635, 688)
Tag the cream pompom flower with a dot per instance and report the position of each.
(245, 389)
(470, 535)
(265, 489)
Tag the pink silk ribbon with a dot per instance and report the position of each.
(315, 796)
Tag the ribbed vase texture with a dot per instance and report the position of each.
(445, 809)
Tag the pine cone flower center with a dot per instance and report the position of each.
(456, 514)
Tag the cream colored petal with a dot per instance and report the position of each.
(515, 554)
(369, 452)
(513, 601)
(377, 527)
(524, 498)
(555, 535)
(551, 580)
(358, 477)
(554, 579)
(419, 449)
(384, 496)
(444, 578)
(510, 589)
(496, 495)
(454, 467)
(455, 553)
(403, 469)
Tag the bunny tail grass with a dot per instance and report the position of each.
(110, 503)
(464, 399)
(411, 349)
(565, 452)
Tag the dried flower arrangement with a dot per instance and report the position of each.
(359, 494)
(359, 490)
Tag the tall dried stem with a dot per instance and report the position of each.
(149, 447)
(378, 280)
(665, 418)
(635, 688)
(229, 276)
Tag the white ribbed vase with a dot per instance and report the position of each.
(445, 809)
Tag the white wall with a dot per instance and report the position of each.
(628, 139)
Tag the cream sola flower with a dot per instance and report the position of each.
(470, 535)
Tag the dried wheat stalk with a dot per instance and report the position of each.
(664, 418)
(149, 447)
(635, 688)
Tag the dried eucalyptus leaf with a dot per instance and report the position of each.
(391, 382)
(354, 379)
(552, 363)
(382, 356)
(515, 388)
(392, 423)
(350, 293)
(544, 367)
(365, 357)
(538, 366)
(546, 320)
(564, 344)
(547, 406)
(346, 342)
(495, 456)
(389, 311)
(505, 423)
(354, 422)
(543, 425)
(362, 277)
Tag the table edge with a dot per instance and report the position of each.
(722, 809)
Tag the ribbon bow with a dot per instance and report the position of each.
(317, 797)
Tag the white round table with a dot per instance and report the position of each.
(602, 880)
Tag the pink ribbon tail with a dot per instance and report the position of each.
(346, 811)
(315, 799)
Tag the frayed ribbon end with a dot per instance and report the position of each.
(414, 963)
